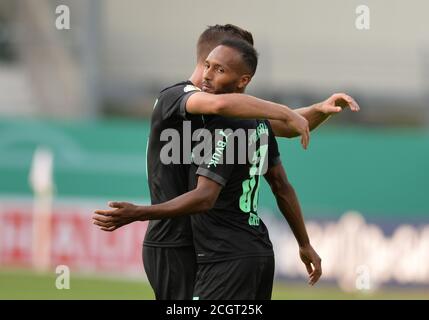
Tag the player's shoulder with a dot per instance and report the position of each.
(178, 89)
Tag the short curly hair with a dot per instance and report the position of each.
(214, 35)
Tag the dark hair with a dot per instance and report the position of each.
(214, 35)
(248, 52)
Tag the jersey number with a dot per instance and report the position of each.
(249, 198)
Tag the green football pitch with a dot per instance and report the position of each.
(24, 284)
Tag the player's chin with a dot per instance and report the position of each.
(208, 89)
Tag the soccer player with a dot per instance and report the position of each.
(168, 251)
(169, 256)
(234, 252)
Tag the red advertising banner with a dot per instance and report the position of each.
(75, 241)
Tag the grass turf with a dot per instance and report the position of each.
(18, 284)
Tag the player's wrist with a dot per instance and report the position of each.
(141, 213)
(304, 243)
(289, 114)
(318, 107)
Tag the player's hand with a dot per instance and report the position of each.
(336, 103)
(122, 213)
(299, 124)
(312, 262)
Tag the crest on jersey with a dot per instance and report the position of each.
(190, 87)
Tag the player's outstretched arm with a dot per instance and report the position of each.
(242, 106)
(288, 204)
(199, 200)
(317, 114)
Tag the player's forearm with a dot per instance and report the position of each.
(189, 203)
(288, 204)
(247, 107)
(311, 113)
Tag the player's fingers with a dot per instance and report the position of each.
(335, 97)
(308, 136)
(104, 212)
(350, 101)
(116, 204)
(102, 218)
(331, 99)
(309, 268)
(340, 98)
(104, 224)
(330, 109)
(305, 138)
(310, 281)
(108, 229)
(317, 273)
(341, 95)
(105, 221)
(303, 142)
(354, 106)
(314, 278)
(114, 227)
(317, 263)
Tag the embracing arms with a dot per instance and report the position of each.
(198, 200)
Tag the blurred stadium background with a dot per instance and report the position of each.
(74, 108)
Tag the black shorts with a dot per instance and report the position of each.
(248, 278)
(170, 271)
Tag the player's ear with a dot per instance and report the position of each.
(244, 81)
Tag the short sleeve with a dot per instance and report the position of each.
(214, 166)
(173, 101)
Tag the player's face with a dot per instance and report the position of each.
(224, 72)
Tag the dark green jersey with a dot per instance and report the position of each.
(232, 228)
(168, 181)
